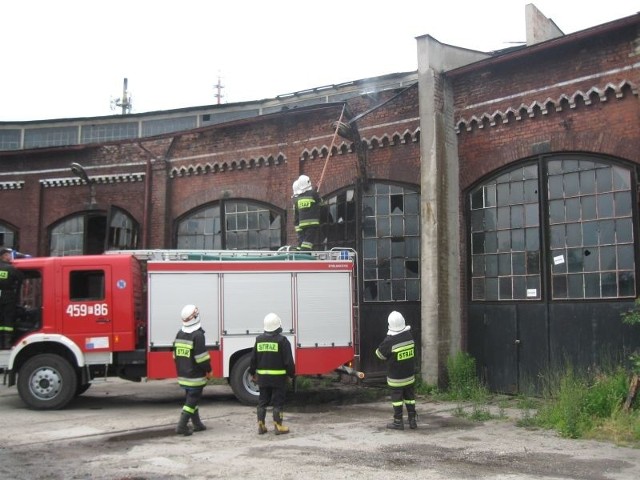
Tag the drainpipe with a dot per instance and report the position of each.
(147, 198)
(39, 240)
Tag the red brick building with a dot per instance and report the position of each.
(462, 187)
(529, 179)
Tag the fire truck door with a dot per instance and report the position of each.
(87, 305)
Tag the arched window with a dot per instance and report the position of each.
(587, 224)
(231, 225)
(92, 233)
(391, 243)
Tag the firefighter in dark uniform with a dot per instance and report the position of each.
(10, 284)
(272, 363)
(193, 365)
(398, 350)
(307, 209)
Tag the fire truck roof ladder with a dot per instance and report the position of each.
(282, 254)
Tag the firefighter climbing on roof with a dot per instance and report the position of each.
(193, 365)
(307, 209)
(296, 192)
(398, 350)
(272, 363)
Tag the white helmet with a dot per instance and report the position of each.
(396, 323)
(272, 322)
(296, 188)
(190, 318)
(304, 183)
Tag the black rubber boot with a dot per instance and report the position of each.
(183, 425)
(198, 426)
(398, 423)
(262, 414)
(411, 411)
(413, 417)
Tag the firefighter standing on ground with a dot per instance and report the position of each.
(307, 208)
(10, 284)
(193, 365)
(398, 350)
(272, 362)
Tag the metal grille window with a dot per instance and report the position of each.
(9, 139)
(108, 132)
(251, 227)
(165, 125)
(123, 231)
(591, 230)
(339, 228)
(50, 137)
(391, 243)
(241, 226)
(67, 238)
(505, 233)
(201, 230)
(7, 236)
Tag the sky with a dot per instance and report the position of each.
(69, 58)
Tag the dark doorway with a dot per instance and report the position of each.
(96, 229)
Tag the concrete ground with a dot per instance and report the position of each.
(123, 430)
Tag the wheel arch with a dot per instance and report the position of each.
(38, 344)
(235, 357)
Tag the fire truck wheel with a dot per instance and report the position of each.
(243, 387)
(47, 382)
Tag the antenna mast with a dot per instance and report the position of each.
(218, 93)
(125, 101)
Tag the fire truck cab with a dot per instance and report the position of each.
(89, 317)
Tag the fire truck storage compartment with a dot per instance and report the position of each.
(324, 309)
(169, 291)
(249, 296)
(315, 307)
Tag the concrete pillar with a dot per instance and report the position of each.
(440, 207)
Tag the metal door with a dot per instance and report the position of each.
(87, 306)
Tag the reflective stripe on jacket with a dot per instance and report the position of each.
(192, 358)
(272, 360)
(399, 353)
(307, 209)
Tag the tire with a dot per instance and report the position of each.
(245, 390)
(47, 382)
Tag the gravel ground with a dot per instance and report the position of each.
(122, 430)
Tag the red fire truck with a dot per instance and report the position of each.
(117, 314)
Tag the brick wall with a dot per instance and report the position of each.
(256, 159)
(578, 97)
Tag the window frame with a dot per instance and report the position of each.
(231, 212)
(568, 230)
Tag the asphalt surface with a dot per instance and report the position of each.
(123, 430)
